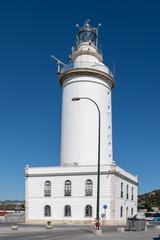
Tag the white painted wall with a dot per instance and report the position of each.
(35, 200)
(78, 200)
(79, 128)
(124, 202)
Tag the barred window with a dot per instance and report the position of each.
(47, 211)
(47, 189)
(127, 192)
(89, 188)
(132, 194)
(88, 211)
(121, 189)
(121, 211)
(67, 188)
(67, 211)
(126, 212)
(131, 211)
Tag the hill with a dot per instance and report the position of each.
(150, 199)
(11, 205)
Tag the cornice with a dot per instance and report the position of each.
(87, 72)
(118, 174)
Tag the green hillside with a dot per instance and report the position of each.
(150, 199)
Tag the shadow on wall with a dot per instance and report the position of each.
(157, 238)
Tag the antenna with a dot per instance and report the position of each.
(59, 63)
(77, 25)
(87, 22)
(97, 28)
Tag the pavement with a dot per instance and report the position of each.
(68, 232)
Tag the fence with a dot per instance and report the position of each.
(15, 217)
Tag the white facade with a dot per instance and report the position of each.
(110, 194)
(68, 193)
(80, 120)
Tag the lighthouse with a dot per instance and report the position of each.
(88, 184)
(86, 77)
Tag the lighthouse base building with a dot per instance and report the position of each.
(70, 196)
(88, 184)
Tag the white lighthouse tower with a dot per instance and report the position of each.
(88, 184)
(86, 77)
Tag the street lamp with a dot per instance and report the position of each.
(98, 167)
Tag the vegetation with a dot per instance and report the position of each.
(150, 199)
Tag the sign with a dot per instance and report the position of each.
(103, 215)
(105, 206)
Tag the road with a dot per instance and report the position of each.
(66, 232)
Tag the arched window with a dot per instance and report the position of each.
(121, 189)
(67, 188)
(88, 211)
(121, 212)
(67, 211)
(47, 211)
(89, 187)
(47, 189)
(127, 192)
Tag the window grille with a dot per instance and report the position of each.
(121, 212)
(88, 211)
(121, 189)
(67, 188)
(89, 188)
(67, 211)
(47, 189)
(47, 211)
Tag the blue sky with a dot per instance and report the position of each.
(30, 95)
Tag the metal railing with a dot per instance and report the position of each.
(15, 217)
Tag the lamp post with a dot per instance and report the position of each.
(98, 166)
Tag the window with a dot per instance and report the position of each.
(67, 188)
(121, 189)
(47, 189)
(126, 212)
(47, 211)
(89, 188)
(131, 211)
(121, 212)
(132, 194)
(67, 211)
(88, 211)
(127, 194)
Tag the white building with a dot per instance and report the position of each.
(68, 193)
